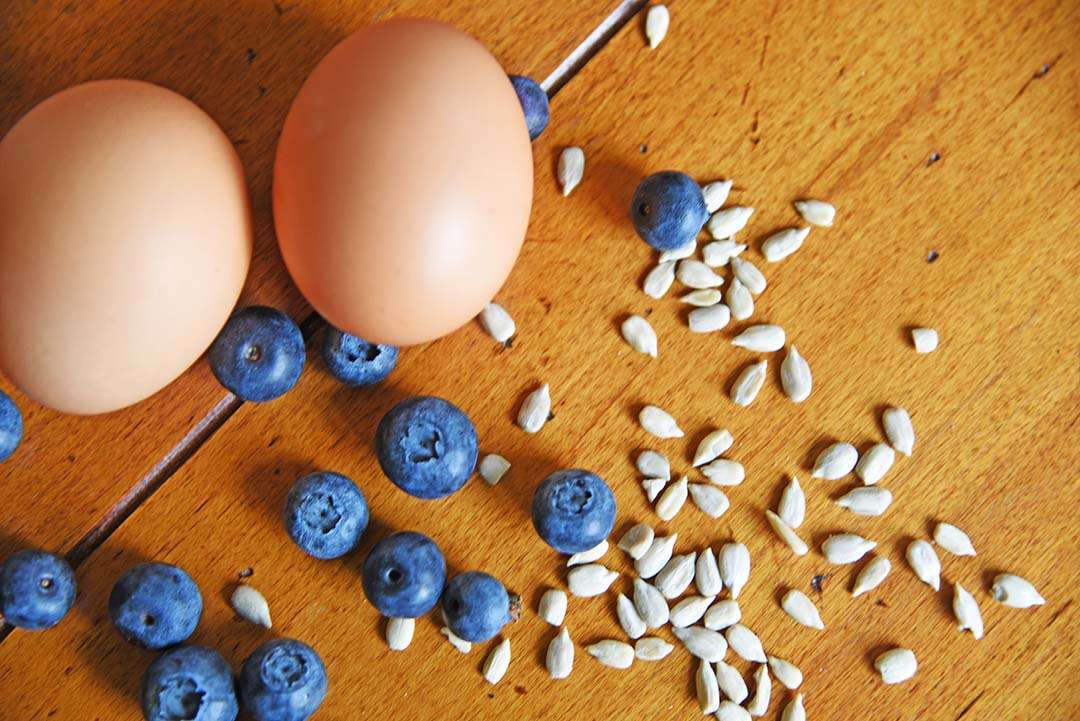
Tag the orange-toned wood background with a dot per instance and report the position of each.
(846, 101)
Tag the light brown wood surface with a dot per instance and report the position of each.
(844, 101)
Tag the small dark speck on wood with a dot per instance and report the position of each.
(263, 90)
(1043, 70)
(932, 256)
(247, 572)
(520, 689)
(648, 311)
(551, 416)
(509, 342)
(934, 157)
(643, 148)
(251, 55)
(881, 603)
(818, 582)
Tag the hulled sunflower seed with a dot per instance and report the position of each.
(713, 446)
(896, 665)
(653, 464)
(799, 606)
(844, 548)
(749, 383)
(629, 619)
(553, 606)
(722, 614)
(650, 604)
(659, 280)
(671, 500)
(593, 554)
(695, 274)
(966, 611)
(685, 250)
(739, 300)
(536, 410)
(748, 274)
(787, 534)
(925, 340)
(866, 500)
(251, 605)
(399, 632)
(1012, 590)
(730, 711)
(613, 654)
(760, 338)
(707, 574)
(497, 662)
(702, 643)
(787, 673)
(715, 193)
(759, 703)
(659, 553)
(783, 243)
(675, 577)
(953, 540)
(652, 487)
(571, 168)
(724, 472)
(560, 655)
(816, 212)
(720, 252)
(924, 562)
(871, 575)
(689, 611)
(795, 376)
(731, 682)
(637, 540)
(709, 499)
(657, 21)
(590, 580)
(794, 711)
(734, 563)
(637, 332)
(708, 690)
(497, 322)
(875, 463)
(727, 222)
(702, 298)
(652, 648)
(459, 643)
(792, 508)
(745, 643)
(898, 430)
(493, 467)
(709, 320)
(835, 462)
(659, 423)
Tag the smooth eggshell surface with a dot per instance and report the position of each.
(125, 238)
(403, 182)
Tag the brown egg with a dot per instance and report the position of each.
(403, 182)
(125, 237)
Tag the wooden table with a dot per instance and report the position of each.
(939, 130)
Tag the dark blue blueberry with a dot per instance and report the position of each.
(37, 589)
(190, 682)
(155, 605)
(573, 510)
(354, 361)
(11, 426)
(534, 102)
(476, 606)
(259, 354)
(668, 210)
(326, 514)
(282, 680)
(426, 446)
(404, 575)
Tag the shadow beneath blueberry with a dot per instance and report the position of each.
(359, 409)
(613, 189)
(521, 481)
(11, 543)
(269, 484)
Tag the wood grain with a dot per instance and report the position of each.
(846, 101)
(243, 62)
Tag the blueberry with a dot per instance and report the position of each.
(326, 514)
(476, 606)
(155, 605)
(282, 680)
(37, 589)
(668, 210)
(11, 426)
(573, 510)
(354, 361)
(190, 682)
(404, 575)
(426, 446)
(259, 354)
(534, 101)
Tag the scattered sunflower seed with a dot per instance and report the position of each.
(966, 611)
(637, 540)
(871, 575)
(792, 508)
(459, 643)
(953, 540)
(925, 340)
(251, 605)
(835, 462)
(614, 654)
(748, 274)
(724, 472)
(689, 611)
(787, 534)
(659, 423)
(653, 464)
(560, 655)
(695, 274)
(898, 430)
(795, 376)
(745, 643)
(703, 298)
(739, 300)
(720, 252)
(593, 554)
(734, 563)
(787, 673)
(749, 383)
(783, 243)
(637, 332)
(709, 499)
(875, 463)
(844, 548)
(816, 212)
(1012, 590)
(658, 281)
(536, 410)
(590, 580)
(671, 500)
(866, 500)
(497, 322)
(702, 643)
(399, 632)
(722, 614)
(709, 320)
(676, 575)
(657, 21)
(493, 467)
(713, 446)
(553, 606)
(650, 604)
(794, 711)
(727, 222)
(708, 690)
(924, 562)
(685, 250)
(730, 711)
(707, 574)
(731, 682)
(629, 619)
(657, 556)
(760, 338)
(652, 648)
(759, 703)
(715, 193)
(497, 662)
(799, 606)
(652, 487)
(571, 168)
(896, 665)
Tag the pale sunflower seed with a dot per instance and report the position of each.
(399, 632)
(835, 462)
(739, 300)
(727, 222)
(749, 383)
(657, 556)
(650, 604)
(715, 193)
(637, 332)
(571, 168)
(759, 704)
(637, 540)
(497, 322)
(702, 298)
(709, 499)
(671, 500)
(685, 250)
(497, 662)
(966, 611)
(676, 575)
(795, 376)
(709, 320)
(459, 643)
(553, 606)
(875, 463)
(783, 243)
(794, 711)
(1012, 590)
(613, 654)
(925, 340)
(734, 563)
(536, 410)
(871, 575)
(695, 274)
(560, 655)
(898, 430)
(953, 540)
(689, 611)
(658, 281)
(787, 534)
(593, 554)
(652, 648)
(657, 21)
(708, 691)
(844, 548)
(787, 673)
(702, 643)
(924, 562)
(724, 472)
(590, 580)
(896, 665)
(251, 606)
(720, 252)
(629, 619)
(799, 606)
(652, 487)
(722, 614)
(707, 574)
(653, 464)
(745, 643)
(866, 500)
(748, 274)
(761, 338)
(792, 508)
(731, 682)
(493, 467)
(730, 711)
(659, 423)
(816, 212)
(713, 446)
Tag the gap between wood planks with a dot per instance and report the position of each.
(220, 414)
